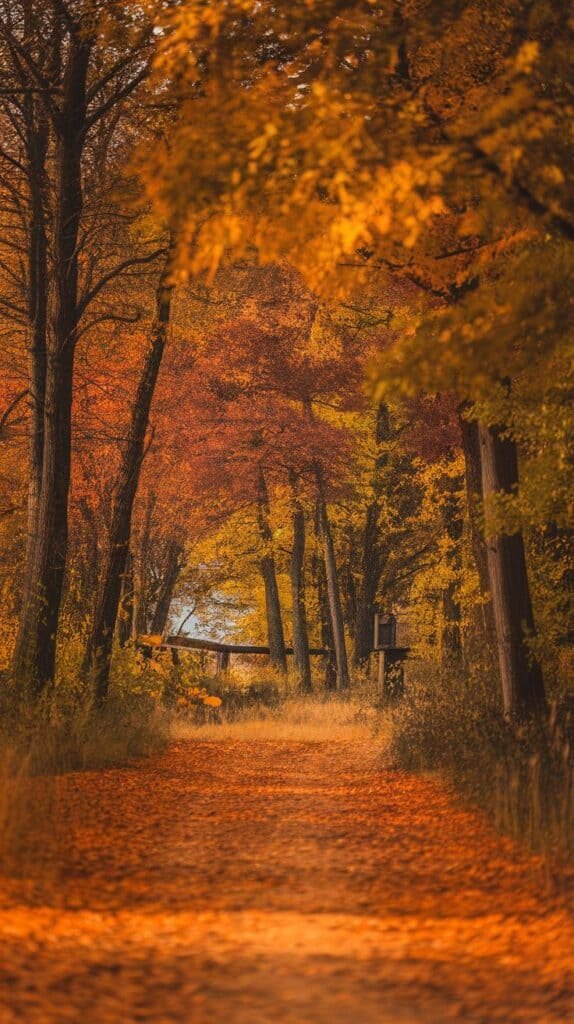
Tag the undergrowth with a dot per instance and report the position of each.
(66, 731)
(522, 776)
(296, 718)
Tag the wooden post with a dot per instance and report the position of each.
(222, 662)
(381, 674)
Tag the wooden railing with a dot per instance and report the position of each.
(191, 643)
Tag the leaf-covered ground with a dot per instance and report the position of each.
(245, 881)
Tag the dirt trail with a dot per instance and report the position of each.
(261, 882)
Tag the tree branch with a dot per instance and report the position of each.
(116, 272)
(117, 97)
(5, 416)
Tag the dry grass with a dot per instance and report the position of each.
(522, 777)
(306, 720)
(28, 815)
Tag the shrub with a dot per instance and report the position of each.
(238, 700)
(522, 777)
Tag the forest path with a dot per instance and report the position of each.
(249, 881)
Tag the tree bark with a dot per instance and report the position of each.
(163, 603)
(473, 483)
(451, 641)
(318, 572)
(301, 660)
(36, 149)
(126, 611)
(276, 638)
(368, 587)
(371, 560)
(35, 653)
(141, 596)
(333, 591)
(520, 674)
(99, 649)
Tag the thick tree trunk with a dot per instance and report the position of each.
(520, 674)
(36, 134)
(36, 145)
(301, 660)
(473, 482)
(35, 653)
(333, 591)
(99, 649)
(163, 603)
(275, 635)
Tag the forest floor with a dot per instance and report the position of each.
(266, 879)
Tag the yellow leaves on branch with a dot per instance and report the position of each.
(287, 166)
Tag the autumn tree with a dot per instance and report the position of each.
(99, 649)
(414, 139)
(69, 82)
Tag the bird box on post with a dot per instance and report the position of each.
(385, 631)
(391, 658)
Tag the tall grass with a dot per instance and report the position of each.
(523, 777)
(63, 732)
(296, 718)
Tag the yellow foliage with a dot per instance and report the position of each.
(212, 702)
(154, 640)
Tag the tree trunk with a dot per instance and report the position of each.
(371, 559)
(451, 641)
(126, 612)
(35, 653)
(473, 482)
(89, 554)
(520, 674)
(35, 136)
(318, 570)
(99, 649)
(276, 639)
(367, 589)
(348, 574)
(301, 660)
(333, 592)
(36, 146)
(163, 604)
(141, 597)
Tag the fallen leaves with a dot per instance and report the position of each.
(300, 882)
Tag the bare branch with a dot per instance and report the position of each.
(5, 416)
(118, 96)
(116, 272)
(116, 69)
